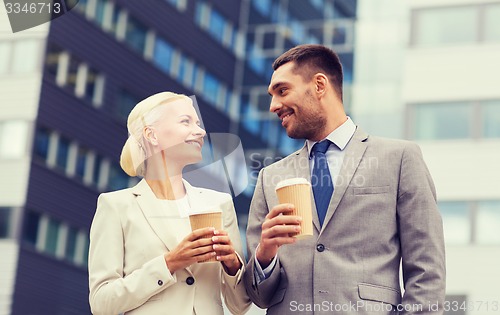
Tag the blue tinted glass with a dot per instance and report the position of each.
(117, 178)
(97, 169)
(100, 10)
(70, 249)
(210, 87)
(126, 102)
(262, 6)
(4, 222)
(81, 160)
(162, 55)
(62, 153)
(136, 35)
(42, 143)
(30, 233)
(491, 119)
(217, 24)
(52, 237)
(443, 121)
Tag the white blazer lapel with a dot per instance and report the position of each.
(155, 214)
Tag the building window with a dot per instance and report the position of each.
(455, 120)
(492, 23)
(52, 237)
(490, 112)
(32, 223)
(126, 102)
(456, 25)
(13, 139)
(117, 178)
(62, 153)
(162, 55)
(135, 35)
(456, 222)
(5, 222)
(26, 56)
(488, 222)
(211, 87)
(71, 239)
(179, 4)
(81, 162)
(443, 121)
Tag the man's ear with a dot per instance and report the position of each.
(150, 135)
(321, 84)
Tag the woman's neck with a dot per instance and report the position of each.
(165, 181)
(171, 188)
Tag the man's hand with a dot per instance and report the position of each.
(276, 231)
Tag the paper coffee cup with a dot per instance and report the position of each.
(297, 191)
(203, 220)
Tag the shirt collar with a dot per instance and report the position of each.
(340, 136)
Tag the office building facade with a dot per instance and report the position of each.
(68, 86)
(428, 71)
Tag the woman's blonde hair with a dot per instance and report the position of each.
(145, 113)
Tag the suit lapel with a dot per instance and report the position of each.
(353, 155)
(164, 227)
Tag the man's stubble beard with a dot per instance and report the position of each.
(312, 121)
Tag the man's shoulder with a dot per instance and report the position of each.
(289, 161)
(391, 143)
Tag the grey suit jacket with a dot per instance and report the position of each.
(382, 214)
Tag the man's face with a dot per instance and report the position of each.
(295, 103)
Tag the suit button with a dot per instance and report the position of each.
(160, 283)
(190, 280)
(320, 247)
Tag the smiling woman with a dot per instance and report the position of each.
(141, 241)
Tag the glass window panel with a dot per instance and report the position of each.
(5, 214)
(117, 178)
(443, 121)
(136, 35)
(456, 222)
(210, 87)
(492, 23)
(41, 148)
(70, 250)
(90, 83)
(262, 6)
(30, 233)
(14, 139)
(126, 101)
(97, 169)
(217, 25)
(488, 222)
(491, 119)
(52, 59)
(72, 73)
(162, 56)
(62, 153)
(446, 25)
(25, 56)
(81, 162)
(52, 236)
(5, 47)
(100, 12)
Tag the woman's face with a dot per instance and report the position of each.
(178, 132)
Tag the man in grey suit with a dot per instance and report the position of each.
(374, 208)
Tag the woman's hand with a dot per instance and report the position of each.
(225, 252)
(192, 249)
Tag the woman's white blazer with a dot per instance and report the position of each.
(127, 271)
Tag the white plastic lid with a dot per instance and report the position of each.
(292, 181)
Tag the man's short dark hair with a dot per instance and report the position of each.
(311, 59)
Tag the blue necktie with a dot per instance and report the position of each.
(321, 180)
